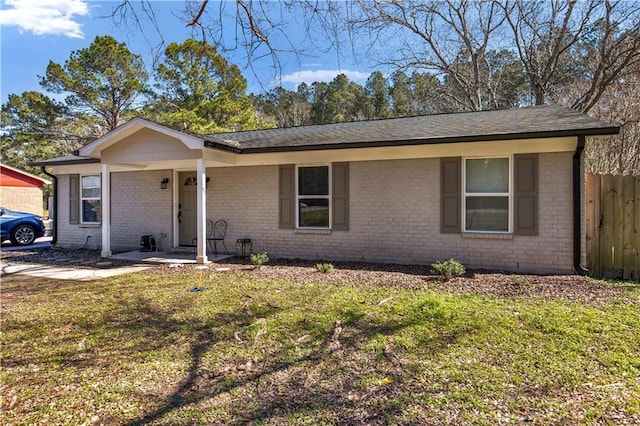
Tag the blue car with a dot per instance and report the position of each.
(21, 228)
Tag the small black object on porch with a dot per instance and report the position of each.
(241, 246)
(148, 243)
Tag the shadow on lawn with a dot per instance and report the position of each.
(289, 376)
(314, 379)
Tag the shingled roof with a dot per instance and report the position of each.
(517, 123)
(543, 121)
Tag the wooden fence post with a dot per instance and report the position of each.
(628, 227)
(592, 222)
(618, 225)
(635, 274)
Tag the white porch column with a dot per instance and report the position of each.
(201, 173)
(105, 204)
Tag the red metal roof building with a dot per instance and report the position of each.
(21, 191)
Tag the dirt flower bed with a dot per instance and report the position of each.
(500, 284)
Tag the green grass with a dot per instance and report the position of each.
(142, 349)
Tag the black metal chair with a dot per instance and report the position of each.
(216, 232)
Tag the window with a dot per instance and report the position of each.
(487, 197)
(90, 199)
(313, 197)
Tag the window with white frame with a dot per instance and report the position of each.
(313, 196)
(487, 198)
(90, 199)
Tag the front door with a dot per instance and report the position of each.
(188, 208)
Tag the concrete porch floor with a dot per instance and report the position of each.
(166, 257)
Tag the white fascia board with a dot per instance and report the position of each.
(469, 149)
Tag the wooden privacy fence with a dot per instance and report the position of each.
(613, 226)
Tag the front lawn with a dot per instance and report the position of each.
(254, 347)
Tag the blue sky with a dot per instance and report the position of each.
(34, 32)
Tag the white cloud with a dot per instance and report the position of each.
(310, 76)
(40, 17)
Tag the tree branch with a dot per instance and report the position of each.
(196, 20)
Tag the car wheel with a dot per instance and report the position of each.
(23, 235)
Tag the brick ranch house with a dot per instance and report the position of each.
(494, 189)
(21, 191)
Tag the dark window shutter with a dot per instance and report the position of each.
(340, 196)
(287, 196)
(74, 199)
(450, 194)
(526, 194)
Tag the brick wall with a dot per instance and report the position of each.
(394, 217)
(140, 207)
(73, 236)
(22, 199)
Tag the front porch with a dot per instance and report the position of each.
(177, 164)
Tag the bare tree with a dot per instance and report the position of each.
(552, 39)
(614, 53)
(450, 38)
(258, 29)
(619, 104)
(462, 41)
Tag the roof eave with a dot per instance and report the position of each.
(605, 131)
(222, 147)
(66, 162)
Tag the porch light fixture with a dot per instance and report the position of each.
(164, 182)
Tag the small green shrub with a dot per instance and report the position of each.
(259, 259)
(448, 269)
(325, 268)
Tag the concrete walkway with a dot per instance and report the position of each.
(67, 273)
(87, 274)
